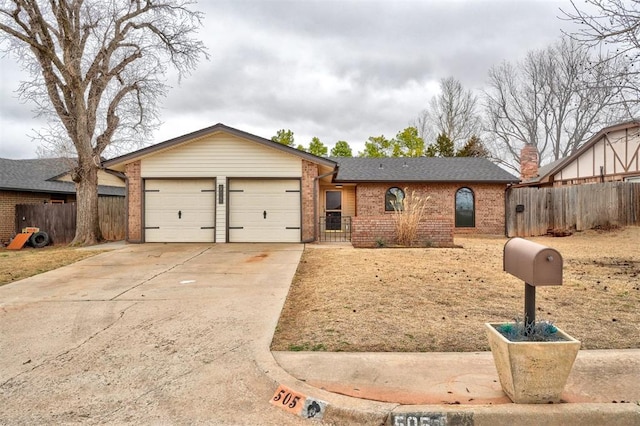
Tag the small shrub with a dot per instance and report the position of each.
(380, 242)
(408, 216)
(539, 331)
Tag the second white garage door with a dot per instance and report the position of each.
(264, 210)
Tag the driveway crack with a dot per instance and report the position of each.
(88, 339)
(161, 273)
(174, 378)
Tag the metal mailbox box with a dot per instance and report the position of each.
(533, 263)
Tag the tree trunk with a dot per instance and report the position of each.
(87, 221)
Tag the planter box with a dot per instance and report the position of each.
(532, 372)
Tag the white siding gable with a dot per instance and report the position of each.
(221, 154)
(616, 153)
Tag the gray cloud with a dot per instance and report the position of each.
(333, 69)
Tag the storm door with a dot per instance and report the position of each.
(333, 210)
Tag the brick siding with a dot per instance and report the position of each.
(370, 231)
(489, 207)
(309, 173)
(134, 202)
(8, 201)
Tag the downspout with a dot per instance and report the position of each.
(506, 208)
(316, 188)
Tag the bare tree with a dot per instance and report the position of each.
(552, 99)
(98, 69)
(612, 26)
(453, 112)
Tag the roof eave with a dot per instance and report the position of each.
(44, 191)
(496, 181)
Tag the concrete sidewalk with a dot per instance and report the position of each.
(599, 376)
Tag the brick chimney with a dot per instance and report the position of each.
(528, 162)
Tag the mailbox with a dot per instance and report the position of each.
(536, 265)
(533, 263)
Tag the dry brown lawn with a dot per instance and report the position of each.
(18, 264)
(436, 300)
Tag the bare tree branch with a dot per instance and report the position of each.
(98, 70)
(613, 28)
(453, 113)
(554, 99)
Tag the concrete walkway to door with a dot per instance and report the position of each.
(153, 333)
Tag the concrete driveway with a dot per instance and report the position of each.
(154, 333)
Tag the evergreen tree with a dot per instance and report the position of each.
(377, 147)
(316, 147)
(285, 137)
(443, 147)
(341, 149)
(408, 144)
(473, 148)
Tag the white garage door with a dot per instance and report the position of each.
(264, 211)
(179, 210)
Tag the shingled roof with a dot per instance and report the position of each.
(38, 175)
(422, 169)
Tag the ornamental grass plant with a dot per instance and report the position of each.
(408, 213)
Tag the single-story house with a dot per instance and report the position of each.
(44, 180)
(612, 154)
(220, 184)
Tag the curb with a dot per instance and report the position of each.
(346, 410)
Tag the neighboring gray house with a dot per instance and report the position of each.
(44, 180)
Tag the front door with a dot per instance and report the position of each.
(333, 210)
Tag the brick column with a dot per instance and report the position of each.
(309, 173)
(134, 202)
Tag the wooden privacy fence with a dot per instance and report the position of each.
(59, 220)
(539, 211)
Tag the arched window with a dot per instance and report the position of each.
(393, 199)
(465, 208)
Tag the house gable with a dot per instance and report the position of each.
(221, 154)
(613, 154)
(119, 163)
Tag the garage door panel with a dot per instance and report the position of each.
(179, 210)
(178, 234)
(249, 200)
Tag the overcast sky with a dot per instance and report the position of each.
(338, 70)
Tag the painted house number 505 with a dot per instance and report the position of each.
(286, 398)
(418, 420)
